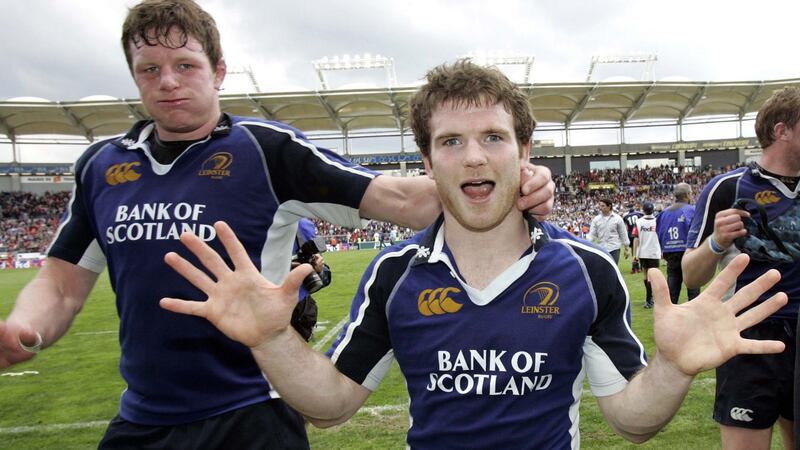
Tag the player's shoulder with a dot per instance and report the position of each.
(266, 126)
(729, 178)
(391, 262)
(91, 152)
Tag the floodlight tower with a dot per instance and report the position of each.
(356, 62)
(504, 59)
(647, 60)
(247, 71)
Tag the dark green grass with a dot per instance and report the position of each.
(79, 383)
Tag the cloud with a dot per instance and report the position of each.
(66, 50)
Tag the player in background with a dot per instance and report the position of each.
(755, 391)
(646, 249)
(673, 228)
(608, 230)
(630, 219)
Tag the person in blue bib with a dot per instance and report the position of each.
(493, 317)
(672, 226)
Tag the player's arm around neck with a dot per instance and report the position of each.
(308, 381)
(46, 305)
(411, 202)
(414, 202)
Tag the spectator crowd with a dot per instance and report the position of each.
(577, 194)
(28, 221)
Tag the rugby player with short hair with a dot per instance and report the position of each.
(493, 317)
(755, 391)
(672, 225)
(185, 168)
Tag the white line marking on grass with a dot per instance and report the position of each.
(330, 334)
(19, 374)
(371, 410)
(54, 427)
(377, 410)
(93, 333)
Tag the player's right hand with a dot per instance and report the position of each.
(10, 336)
(241, 303)
(728, 226)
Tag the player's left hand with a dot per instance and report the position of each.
(705, 332)
(537, 191)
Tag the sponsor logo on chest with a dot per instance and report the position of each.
(540, 300)
(122, 173)
(217, 166)
(437, 301)
(767, 197)
(158, 222)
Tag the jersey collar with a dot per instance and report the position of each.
(432, 247)
(141, 131)
(776, 182)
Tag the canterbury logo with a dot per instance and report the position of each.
(217, 165)
(540, 299)
(741, 414)
(767, 197)
(122, 173)
(436, 301)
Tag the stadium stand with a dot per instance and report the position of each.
(29, 220)
(27, 226)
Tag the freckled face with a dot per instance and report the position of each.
(475, 160)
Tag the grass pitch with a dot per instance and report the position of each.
(64, 397)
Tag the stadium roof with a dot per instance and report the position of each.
(343, 112)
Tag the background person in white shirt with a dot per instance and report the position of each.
(608, 230)
(646, 248)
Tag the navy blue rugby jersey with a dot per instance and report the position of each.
(501, 367)
(630, 219)
(129, 210)
(748, 182)
(672, 226)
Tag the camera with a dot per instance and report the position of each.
(307, 250)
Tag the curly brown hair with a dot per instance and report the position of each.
(150, 23)
(468, 84)
(782, 106)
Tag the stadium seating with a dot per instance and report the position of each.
(28, 221)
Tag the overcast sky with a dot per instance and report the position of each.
(69, 49)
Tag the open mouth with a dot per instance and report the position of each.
(478, 189)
